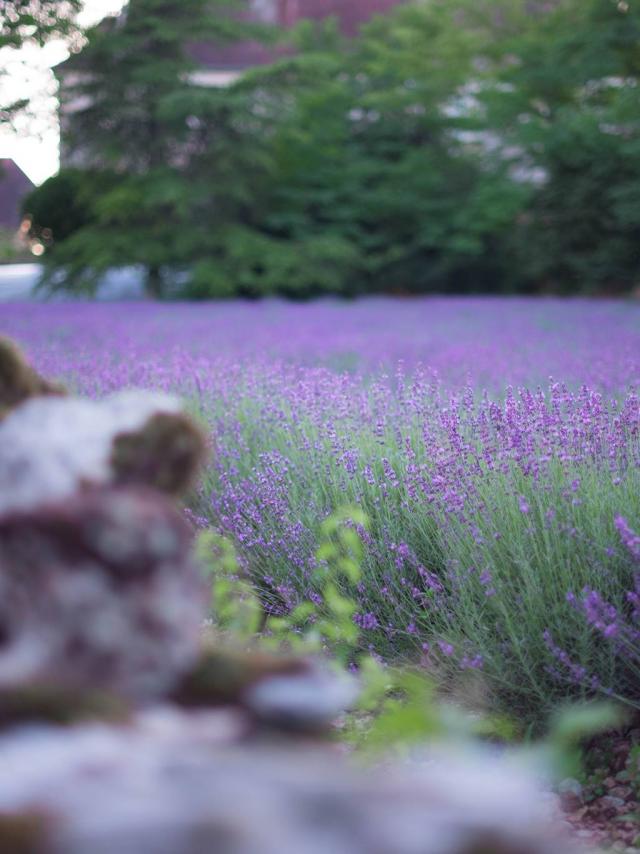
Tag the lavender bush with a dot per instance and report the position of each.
(504, 506)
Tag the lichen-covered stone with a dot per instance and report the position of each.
(99, 591)
(52, 447)
(294, 695)
(301, 703)
(183, 784)
(47, 702)
(222, 676)
(18, 380)
(24, 833)
(166, 454)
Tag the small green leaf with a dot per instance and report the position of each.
(326, 552)
(350, 569)
(302, 612)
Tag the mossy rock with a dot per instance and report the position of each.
(166, 454)
(53, 704)
(18, 380)
(223, 676)
(23, 833)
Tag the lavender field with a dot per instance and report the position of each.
(492, 443)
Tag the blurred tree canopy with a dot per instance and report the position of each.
(129, 108)
(476, 145)
(25, 22)
(569, 105)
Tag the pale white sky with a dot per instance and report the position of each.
(35, 146)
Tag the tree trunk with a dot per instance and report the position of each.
(154, 285)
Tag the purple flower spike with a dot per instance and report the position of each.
(630, 539)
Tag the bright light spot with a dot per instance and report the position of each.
(26, 73)
(623, 6)
(37, 248)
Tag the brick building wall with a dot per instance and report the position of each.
(351, 14)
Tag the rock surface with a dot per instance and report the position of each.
(99, 591)
(53, 447)
(18, 380)
(177, 783)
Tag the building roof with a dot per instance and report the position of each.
(350, 14)
(14, 185)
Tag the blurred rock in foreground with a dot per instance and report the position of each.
(53, 447)
(182, 783)
(18, 380)
(101, 592)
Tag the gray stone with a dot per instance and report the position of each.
(179, 783)
(612, 802)
(100, 591)
(51, 447)
(570, 794)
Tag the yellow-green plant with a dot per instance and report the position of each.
(397, 707)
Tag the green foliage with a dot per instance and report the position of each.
(397, 707)
(237, 608)
(170, 147)
(63, 204)
(366, 155)
(475, 146)
(571, 726)
(29, 21)
(568, 106)
(250, 264)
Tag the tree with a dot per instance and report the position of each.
(567, 107)
(131, 108)
(36, 21)
(61, 205)
(264, 248)
(476, 145)
(371, 156)
(24, 22)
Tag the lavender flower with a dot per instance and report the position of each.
(630, 539)
(446, 423)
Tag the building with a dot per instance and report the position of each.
(222, 64)
(14, 185)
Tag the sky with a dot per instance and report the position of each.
(35, 146)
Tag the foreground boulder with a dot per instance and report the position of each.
(100, 591)
(175, 783)
(53, 447)
(18, 380)
(279, 693)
